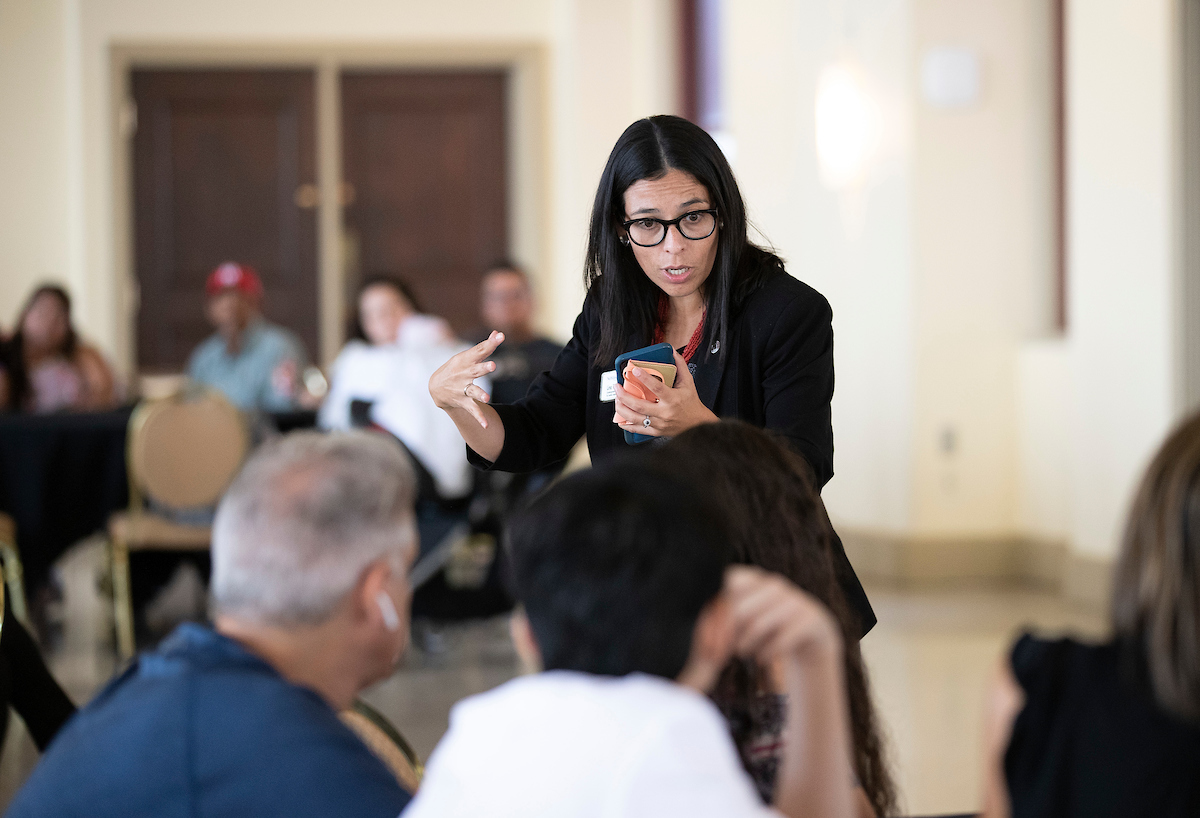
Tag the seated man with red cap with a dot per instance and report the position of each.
(256, 364)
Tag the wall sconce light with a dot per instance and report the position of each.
(847, 121)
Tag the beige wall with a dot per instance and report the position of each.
(937, 263)
(983, 200)
(855, 247)
(34, 200)
(1123, 172)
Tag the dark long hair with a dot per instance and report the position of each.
(628, 298)
(779, 524)
(12, 351)
(399, 285)
(1156, 586)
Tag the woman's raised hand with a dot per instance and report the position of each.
(453, 386)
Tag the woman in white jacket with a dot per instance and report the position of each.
(387, 368)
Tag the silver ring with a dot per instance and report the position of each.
(465, 388)
(646, 422)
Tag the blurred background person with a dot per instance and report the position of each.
(256, 364)
(45, 367)
(506, 304)
(381, 376)
(1113, 729)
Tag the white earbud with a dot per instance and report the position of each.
(387, 609)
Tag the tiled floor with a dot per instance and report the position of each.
(929, 658)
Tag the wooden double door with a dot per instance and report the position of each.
(224, 168)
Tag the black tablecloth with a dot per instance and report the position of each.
(61, 476)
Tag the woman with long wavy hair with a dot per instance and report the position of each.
(779, 524)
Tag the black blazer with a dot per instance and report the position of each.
(776, 373)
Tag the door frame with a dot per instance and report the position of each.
(527, 153)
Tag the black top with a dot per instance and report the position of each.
(1091, 740)
(775, 373)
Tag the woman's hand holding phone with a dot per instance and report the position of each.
(672, 410)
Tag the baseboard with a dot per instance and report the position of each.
(930, 562)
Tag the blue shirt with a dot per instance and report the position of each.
(247, 377)
(201, 727)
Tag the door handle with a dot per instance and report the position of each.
(306, 197)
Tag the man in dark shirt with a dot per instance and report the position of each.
(506, 304)
(311, 548)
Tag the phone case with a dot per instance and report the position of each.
(658, 353)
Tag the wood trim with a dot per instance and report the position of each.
(689, 59)
(1058, 26)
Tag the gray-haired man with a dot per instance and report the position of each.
(311, 547)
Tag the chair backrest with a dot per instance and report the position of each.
(386, 743)
(184, 450)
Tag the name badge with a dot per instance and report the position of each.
(608, 386)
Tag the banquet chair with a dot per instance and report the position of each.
(10, 564)
(386, 743)
(183, 451)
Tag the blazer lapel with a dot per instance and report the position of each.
(709, 371)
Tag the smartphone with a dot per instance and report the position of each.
(662, 353)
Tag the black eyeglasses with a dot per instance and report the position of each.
(694, 225)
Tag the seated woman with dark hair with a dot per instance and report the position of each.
(380, 378)
(1113, 729)
(44, 367)
(779, 524)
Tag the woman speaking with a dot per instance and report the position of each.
(668, 259)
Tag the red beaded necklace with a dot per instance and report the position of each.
(660, 328)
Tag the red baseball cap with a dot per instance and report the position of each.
(234, 276)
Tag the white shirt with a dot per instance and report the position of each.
(395, 378)
(569, 745)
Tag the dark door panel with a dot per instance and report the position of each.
(424, 158)
(219, 161)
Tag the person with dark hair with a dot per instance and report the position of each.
(255, 364)
(1113, 729)
(506, 306)
(778, 523)
(632, 610)
(379, 378)
(44, 367)
(669, 260)
(388, 313)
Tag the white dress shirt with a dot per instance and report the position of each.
(571, 745)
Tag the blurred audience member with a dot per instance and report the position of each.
(388, 313)
(311, 548)
(256, 365)
(632, 614)
(45, 367)
(779, 525)
(507, 306)
(1113, 729)
(381, 377)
